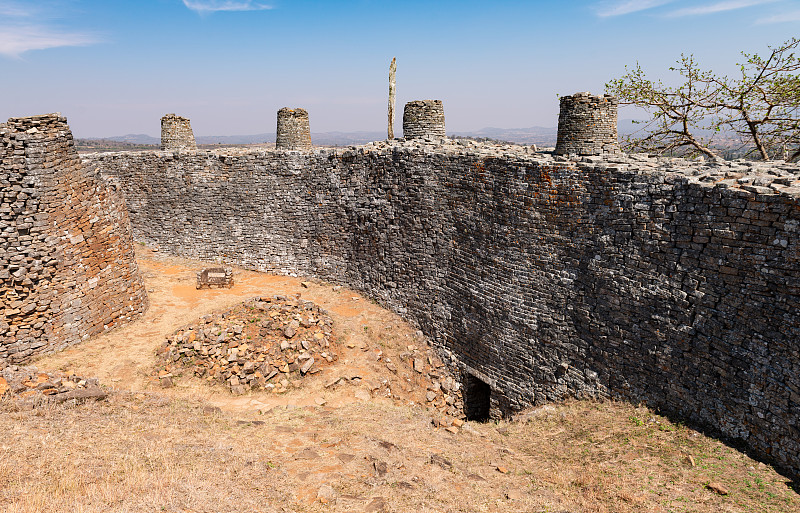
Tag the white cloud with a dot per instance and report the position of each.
(23, 28)
(629, 6)
(16, 40)
(781, 18)
(9, 9)
(209, 6)
(728, 5)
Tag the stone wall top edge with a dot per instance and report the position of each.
(53, 116)
(753, 178)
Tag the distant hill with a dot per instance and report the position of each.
(542, 136)
(130, 138)
(539, 135)
(101, 145)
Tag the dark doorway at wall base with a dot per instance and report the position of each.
(477, 398)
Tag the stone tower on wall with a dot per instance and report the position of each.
(424, 118)
(67, 267)
(587, 125)
(294, 131)
(176, 133)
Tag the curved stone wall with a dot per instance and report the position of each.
(587, 125)
(176, 133)
(293, 131)
(67, 268)
(652, 280)
(424, 119)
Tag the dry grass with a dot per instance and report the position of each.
(145, 452)
(146, 449)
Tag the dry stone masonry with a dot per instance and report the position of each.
(294, 131)
(67, 268)
(537, 277)
(265, 343)
(424, 119)
(587, 125)
(176, 134)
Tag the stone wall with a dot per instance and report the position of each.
(587, 125)
(176, 134)
(542, 277)
(293, 131)
(67, 268)
(424, 119)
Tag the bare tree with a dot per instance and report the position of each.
(761, 106)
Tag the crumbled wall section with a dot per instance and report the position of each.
(424, 119)
(67, 268)
(176, 134)
(652, 280)
(293, 131)
(587, 125)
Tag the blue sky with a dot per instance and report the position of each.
(115, 67)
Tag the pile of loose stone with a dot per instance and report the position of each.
(32, 387)
(265, 343)
(772, 177)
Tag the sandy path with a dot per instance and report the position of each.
(124, 358)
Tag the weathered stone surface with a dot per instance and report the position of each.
(587, 125)
(294, 131)
(176, 134)
(542, 277)
(243, 348)
(67, 268)
(392, 97)
(32, 387)
(424, 119)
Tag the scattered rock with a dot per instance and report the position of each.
(377, 505)
(29, 385)
(246, 347)
(326, 494)
(438, 459)
(717, 488)
(345, 457)
(380, 468)
(81, 394)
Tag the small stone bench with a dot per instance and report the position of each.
(218, 276)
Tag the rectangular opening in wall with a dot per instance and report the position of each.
(477, 398)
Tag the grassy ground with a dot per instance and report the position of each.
(195, 448)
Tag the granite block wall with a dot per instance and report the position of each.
(67, 268)
(293, 130)
(424, 118)
(587, 125)
(653, 280)
(177, 134)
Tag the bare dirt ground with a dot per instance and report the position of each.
(353, 446)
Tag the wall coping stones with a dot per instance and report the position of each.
(773, 177)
